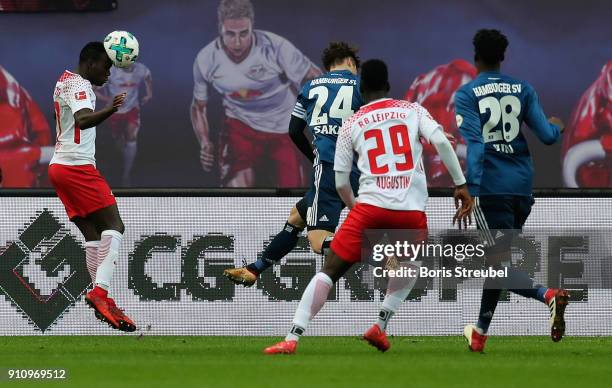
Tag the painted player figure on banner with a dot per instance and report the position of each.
(25, 136)
(587, 143)
(435, 91)
(490, 110)
(125, 124)
(88, 199)
(257, 73)
(385, 134)
(323, 104)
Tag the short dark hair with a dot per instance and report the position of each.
(91, 52)
(235, 9)
(374, 76)
(489, 46)
(336, 52)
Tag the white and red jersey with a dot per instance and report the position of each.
(73, 146)
(587, 140)
(386, 134)
(435, 91)
(21, 122)
(256, 91)
(127, 81)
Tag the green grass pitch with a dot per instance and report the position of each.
(126, 361)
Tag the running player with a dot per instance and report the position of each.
(257, 73)
(88, 200)
(385, 134)
(489, 113)
(322, 105)
(125, 124)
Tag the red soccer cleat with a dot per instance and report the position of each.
(377, 338)
(476, 341)
(557, 300)
(99, 302)
(125, 323)
(283, 347)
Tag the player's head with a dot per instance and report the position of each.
(340, 54)
(489, 48)
(94, 63)
(236, 19)
(374, 80)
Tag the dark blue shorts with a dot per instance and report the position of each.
(500, 218)
(323, 203)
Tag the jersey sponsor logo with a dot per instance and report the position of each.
(459, 119)
(80, 95)
(245, 94)
(129, 84)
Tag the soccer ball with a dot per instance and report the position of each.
(121, 47)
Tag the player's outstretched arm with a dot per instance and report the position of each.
(149, 89)
(296, 132)
(87, 118)
(199, 122)
(312, 72)
(468, 123)
(343, 164)
(547, 130)
(463, 200)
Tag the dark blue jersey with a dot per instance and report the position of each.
(489, 111)
(324, 103)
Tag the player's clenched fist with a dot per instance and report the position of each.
(558, 122)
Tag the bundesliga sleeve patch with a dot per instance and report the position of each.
(459, 119)
(80, 95)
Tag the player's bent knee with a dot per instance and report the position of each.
(315, 244)
(319, 240)
(116, 225)
(334, 266)
(295, 219)
(132, 134)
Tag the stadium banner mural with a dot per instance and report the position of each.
(169, 275)
(194, 118)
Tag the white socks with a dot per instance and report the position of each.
(91, 258)
(129, 155)
(311, 303)
(108, 252)
(398, 289)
